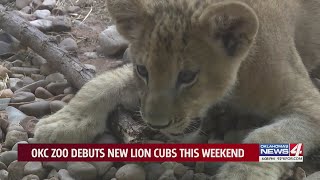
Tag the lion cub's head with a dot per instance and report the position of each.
(186, 54)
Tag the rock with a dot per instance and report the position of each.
(37, 77)
(8, 157)
(200, 166)
(22, 97)
(55, 165)
(19, 76)
(3, 124)
(55, 77)
(48, 4)
(15, 115)
(46, 69)
(29, 124)
(35, 168)
(67, 98)
(200, 176)
(211, 168)
(15, 84)
(168, 165)
(42, 14)
(314, 176)
(32, 87)
(22, 3)
(58, 12)
(4, 102)
(26, 10)
(56, 105)
(4, 174)
(53, 173)
(153, 171)
(64, 175)
(3, 71)
(179, 170)
(106, 138)
(102, 167)
(36, 3)
(69, 90)
(25, 70)
(91, 55)
(3, 166)
(28, 17)
(17, 63)
(37, 60)
(42, 24)
(110, 174)
(111, 42)
(15, 170)
(43, 93)
(91, 68)
(73, 9)
(68, 44)
(131, 171)
(37, 109)
(15, 136)
(31, 177)
(82, 170)
(27, 80)
(188, 175)
(300, 174)
(6, 93)
(168, 175)
(61, 23)
(57, 88)
(15, 147)
(15, 127)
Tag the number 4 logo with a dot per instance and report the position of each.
(296, 149)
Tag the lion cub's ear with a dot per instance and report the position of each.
(230, 26)
(129, 15)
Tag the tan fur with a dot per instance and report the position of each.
(252, 54)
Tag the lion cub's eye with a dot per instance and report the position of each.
(142, 71)
(187, 77)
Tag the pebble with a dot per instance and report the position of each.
(22, 97)
(42, 24)
(58, 12)
(19, 76)
(82, 170)
(168, 165)
(55, 165)
(15, 84)
(131, 171)
(31, 177)
(102, 167)
(200, 176)
(61, 23)
(111, 42)
(55, 77)
(3, 166)
(53, 173)
(73, 9)
(56, 105)
(4, 102)
(153, 171)
(67, 98)
(314, 176)
(4, 124)
(37, 77)
(15, 170)
(28, 17)
(180, 170)
(68, 44)
(37, 109)
(36, 3)
(15, 115)
(69, 90)
(17, 63)
(110, 174)
(48, 4)
(211, 168)
(25, 70)
(43, 93)
(15, 136)
(15, 147)
(188, 175)
(91, 55)
(57, 88)
(15, 127)
(64, 175)
(27, 80)
(168, 175)
(26, 10)
(4, 174)
(199, 168)
(46, 69)
(32, 87)
(6, 93)
(8, 157)
(42, 14)
(91, 68)
(22, 3)
(35, 168)
(29, 124)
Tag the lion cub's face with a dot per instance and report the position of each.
(186, 55)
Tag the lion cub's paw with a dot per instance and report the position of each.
(248, 171)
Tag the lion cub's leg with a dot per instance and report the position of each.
(86, 114)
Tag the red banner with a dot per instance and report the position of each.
(139, 152)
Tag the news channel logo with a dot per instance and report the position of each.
(281, 152)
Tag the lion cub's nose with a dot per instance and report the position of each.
(156, 120)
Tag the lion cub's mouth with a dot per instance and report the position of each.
(193, 126)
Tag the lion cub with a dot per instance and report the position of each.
(188, 55)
